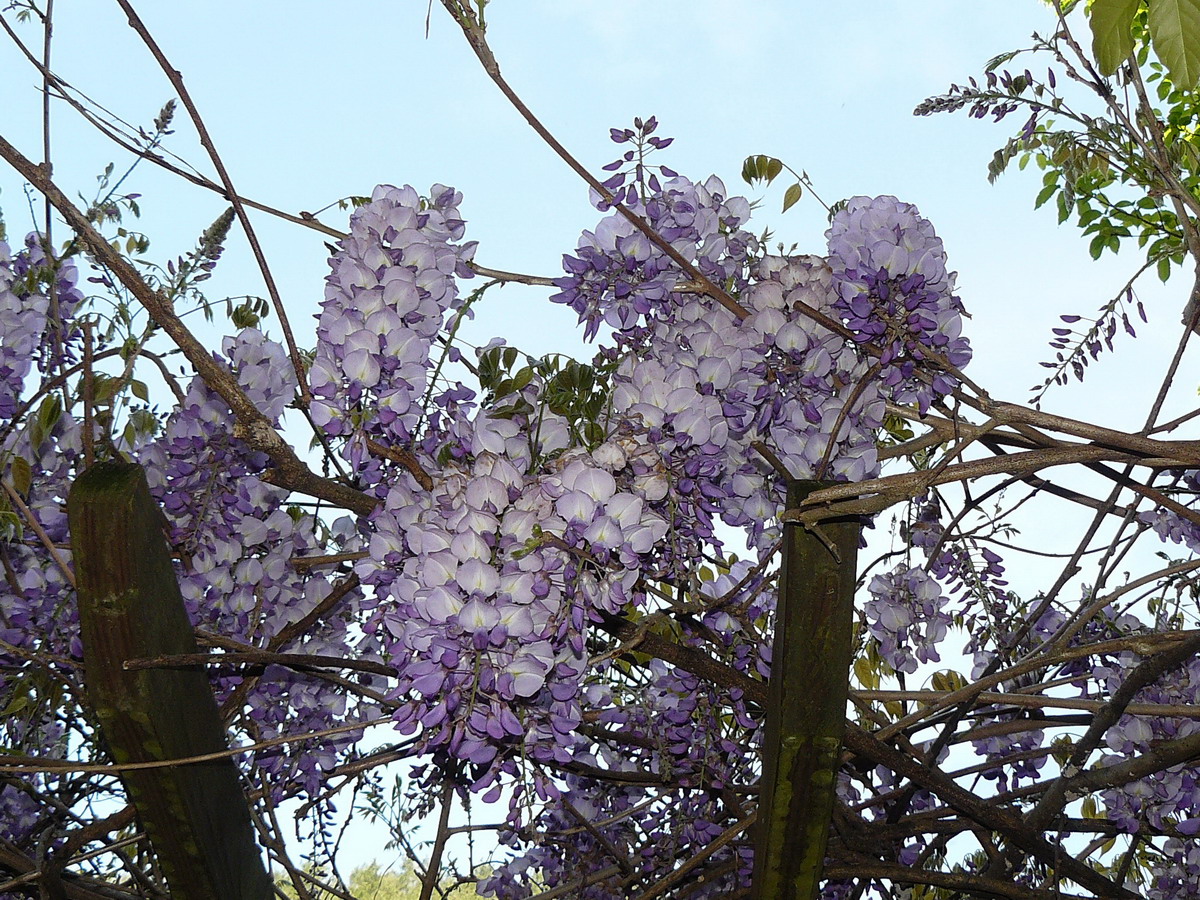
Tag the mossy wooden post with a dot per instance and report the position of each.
(195, 815)
(806, 703)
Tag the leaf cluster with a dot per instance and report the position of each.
(764, 169)
(1125, 173)
(1172, 26)
(576, 391)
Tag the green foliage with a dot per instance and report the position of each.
(1174, 32)
(1094, 169)
(28, 695)
(48, 414)
(571, 389)
(373, 882)
(248, 313)
(11, 526)
(765, 169)
(22, 476)
(948, 680)
(1112, 38)
(1126, 169)
(761, 168)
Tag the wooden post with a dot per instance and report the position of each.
(806, 703)
(195, 815)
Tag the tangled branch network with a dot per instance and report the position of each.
(513, 533)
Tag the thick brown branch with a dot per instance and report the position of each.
(1011, 414)
(1147, 672)
(974, 885)
(1183, 750)
(240, 658)
(984, 812)
(694, 661)
(74, 887)
(404, 458)
(876, 494)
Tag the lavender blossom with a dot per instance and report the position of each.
(889, 270)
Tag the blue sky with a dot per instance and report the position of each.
(312, 101)
(308, 105)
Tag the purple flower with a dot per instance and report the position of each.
(905, 615)
(889, 271)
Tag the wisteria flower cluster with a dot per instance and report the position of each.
(1173, 796)
(1169, 524)
(889, 270)
(38, 299)
(36, 590)
(677, 722)
(707, 387)
(906, 615)
(24, 323)
(1166, 799)
(618, 277)
(633, 166)
(238, 539)
(38, 296)
(386, 300)
(490, 581)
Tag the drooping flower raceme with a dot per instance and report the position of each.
(889, 270)
(22, 323)
(906, 615)
(618, 277)
(38, 615)
(385, 301)
(238, 540)
(38, 297)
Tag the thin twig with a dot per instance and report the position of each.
(176, 79)
(475, 37)
(253, 427)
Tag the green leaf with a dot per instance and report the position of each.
(947, 680)
(104, 388)
(1000, 160)
(1112, 35)
(19, 702)
(1175, 34)
(1046, 193)
(866, 674)
(1064, 207)
(1164, 269)
(139, 390)
(43, 423)
(997, 61)
(593, 433)
(791, 195)
(22, 475)
(761, 168)
(50, 411)
(522, 378)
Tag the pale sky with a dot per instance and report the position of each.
(311, 101)
(307, 105)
